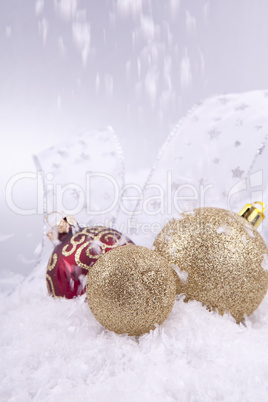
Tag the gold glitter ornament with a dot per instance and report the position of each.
(130, 289)
(224, 256)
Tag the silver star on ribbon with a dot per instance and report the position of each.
(237, 172)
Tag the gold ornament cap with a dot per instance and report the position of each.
(63, 226)
(253, 214)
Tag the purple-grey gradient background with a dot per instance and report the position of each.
(70, 66)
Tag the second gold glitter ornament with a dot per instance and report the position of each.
(131, 289)
(224, 258)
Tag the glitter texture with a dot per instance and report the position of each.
(224, 268)
(130, 289)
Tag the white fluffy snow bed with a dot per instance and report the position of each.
(54, 349)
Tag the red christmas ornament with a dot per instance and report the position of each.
(76, 251)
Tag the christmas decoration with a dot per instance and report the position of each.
(224, 258)
(76, 251)
(131, 289)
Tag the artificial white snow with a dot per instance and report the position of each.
(206, 10)
(59, 102)
(150, 83)
(54, 349)
(223, 229)
(97, 83)
(249, 231)
(109, 84)
(244, 240)
(61, 46)
(180, 217)
(148, 27)
(71, 282)
(39, 7)
(190, 23)
(8, 31)
(168, 237)
(265, 262)
(43, 27)
(83, 281)
(174, 6)
(191, 212)
(129, 7)
(185, 71)
(183, 275)
(122, 240)
(4, 237)
(66, 9)
(96, 246)
(81, 37)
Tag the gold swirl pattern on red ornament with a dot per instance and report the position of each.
(91, 235)
(109, 236)
(50, 286)
(74, 243)
(52, 262)
(78, 254)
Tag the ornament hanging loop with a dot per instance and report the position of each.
(261, 204)
(253, 214)
(51, 213)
